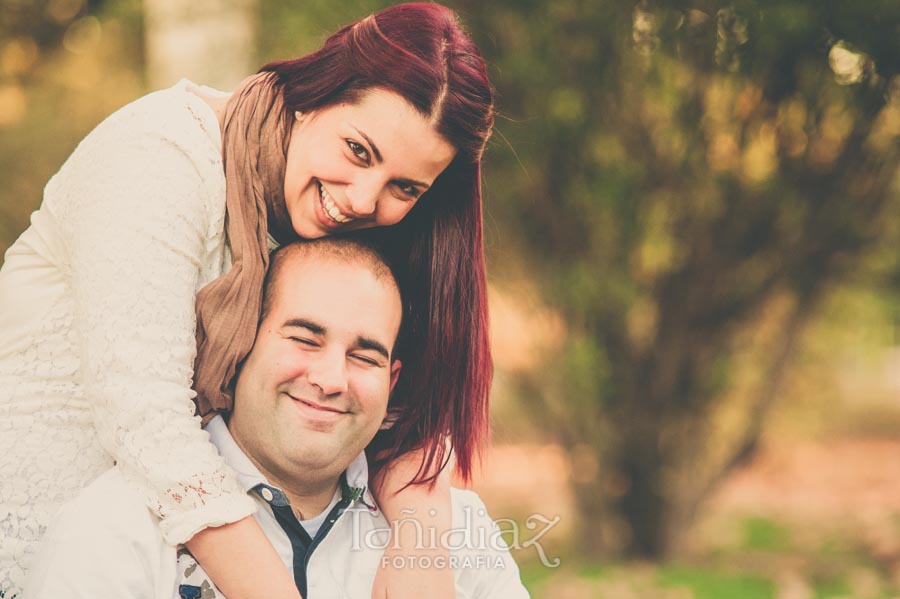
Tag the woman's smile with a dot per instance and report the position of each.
(361, 164)
(330, 207)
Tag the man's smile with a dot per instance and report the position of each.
(317, 407)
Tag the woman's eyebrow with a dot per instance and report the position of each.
(425, 186)
(371, 143)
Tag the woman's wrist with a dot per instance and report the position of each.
(241, 561)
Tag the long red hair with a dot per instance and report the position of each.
(419, 51)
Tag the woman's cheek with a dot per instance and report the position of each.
(394, 213)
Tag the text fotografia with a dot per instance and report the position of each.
(466, 538)
(454, 562)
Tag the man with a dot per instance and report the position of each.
(310, 396)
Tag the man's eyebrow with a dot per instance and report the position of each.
(305, 324)
(363, 342)
(369, 343)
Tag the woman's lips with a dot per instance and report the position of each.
(331, 208)
(324, 220)
(328, 220)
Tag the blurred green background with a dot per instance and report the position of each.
(693, 217)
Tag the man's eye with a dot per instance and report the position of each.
(358, 150)
(365, 360)
(305, 341)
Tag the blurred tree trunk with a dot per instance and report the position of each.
(211, 42)
(645, 506)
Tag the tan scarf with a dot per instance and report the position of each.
(254, 147)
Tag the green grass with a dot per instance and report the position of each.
(834, 564)
(708, 584)
(763, 534)
(533, 574)
(832, 589)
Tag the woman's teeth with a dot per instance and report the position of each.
(331, 208)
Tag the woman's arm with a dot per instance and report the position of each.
(242, 562)
(430, 507)
(137, 205)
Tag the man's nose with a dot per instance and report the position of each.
(329, 374)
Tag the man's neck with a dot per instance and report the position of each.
(309, 502)
(309, 497)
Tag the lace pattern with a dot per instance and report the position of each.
(97, 328)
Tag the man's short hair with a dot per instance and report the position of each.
(346, 249)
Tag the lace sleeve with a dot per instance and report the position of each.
(134, 208)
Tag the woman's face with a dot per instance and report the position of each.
(361, 165)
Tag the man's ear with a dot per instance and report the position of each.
(395, 373)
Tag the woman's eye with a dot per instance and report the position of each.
(409, 190)
(358, 150)
(304, 341)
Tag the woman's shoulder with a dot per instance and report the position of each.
(161, 152)
(176, 115)
(162, 133)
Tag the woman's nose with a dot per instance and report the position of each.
(362, 195)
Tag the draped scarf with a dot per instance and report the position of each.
(255, 139)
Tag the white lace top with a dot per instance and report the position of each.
(97, 328)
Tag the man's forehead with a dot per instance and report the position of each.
(337, 296)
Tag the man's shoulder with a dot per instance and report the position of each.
(469, 509)
(106, 514)
(465, 497)
(104, 542)
(480, 553)
(109, 503)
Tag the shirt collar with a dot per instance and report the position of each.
(249, 476)
(247, 473)
(357, 476)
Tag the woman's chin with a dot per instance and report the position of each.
(309, 228)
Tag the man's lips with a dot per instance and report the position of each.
(317, 406)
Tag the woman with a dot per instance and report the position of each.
(158, 227)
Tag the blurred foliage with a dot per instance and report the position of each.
(686, 181)
(44, 23)
(64, 66)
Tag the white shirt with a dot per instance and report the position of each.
(105, 543)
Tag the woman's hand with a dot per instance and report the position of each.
(241, 561)
(415, 564)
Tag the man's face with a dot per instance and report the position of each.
(314, 389)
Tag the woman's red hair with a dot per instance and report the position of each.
(419, 51)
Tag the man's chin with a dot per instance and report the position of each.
(322, 460)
